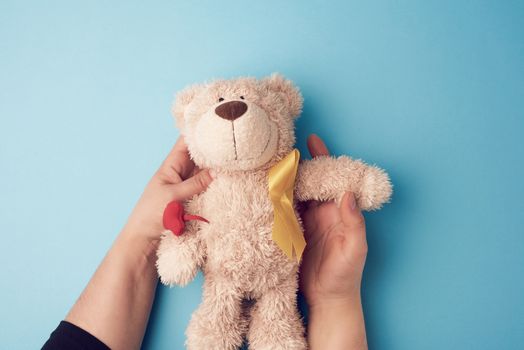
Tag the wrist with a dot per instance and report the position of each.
(334, 308)
(144, 231)
(333, 299)
(136, 251)
(337, 324)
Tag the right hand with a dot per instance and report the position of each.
(336, 249)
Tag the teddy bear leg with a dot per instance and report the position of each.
(217, 323)
(275, 321)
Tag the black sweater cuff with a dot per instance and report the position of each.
(67, 336)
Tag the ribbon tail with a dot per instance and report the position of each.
(299, 244)
(287, 233)
(279, 237)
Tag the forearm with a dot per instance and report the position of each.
(115, 305)
(337, 325)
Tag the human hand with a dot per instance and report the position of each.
(177, 179)
(116, 303)
(331, 270)
(336, 245)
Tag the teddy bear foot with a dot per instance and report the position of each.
(295, 344)
(275, 322)
(277, 339)
(217, 324)
(205, 334)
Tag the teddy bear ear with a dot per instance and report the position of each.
(277, 83)
(182, 99)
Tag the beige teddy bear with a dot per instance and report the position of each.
(241, 129)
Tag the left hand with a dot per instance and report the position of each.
(115, 305)
(176, 179)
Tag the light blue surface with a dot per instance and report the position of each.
(433, 91)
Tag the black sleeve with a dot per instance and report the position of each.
(67, 336)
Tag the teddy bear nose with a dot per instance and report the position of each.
(231, 110)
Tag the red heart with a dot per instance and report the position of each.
(174, 218)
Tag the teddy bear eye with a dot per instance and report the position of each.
(241, 97)
(220, 99)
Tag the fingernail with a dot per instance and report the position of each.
(352, 202)
(212, 173)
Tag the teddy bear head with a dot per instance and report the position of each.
(239, 124)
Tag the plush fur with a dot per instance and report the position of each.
(250, 284)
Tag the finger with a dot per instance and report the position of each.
(194, 185)
(178, 160)
(352, 217)
(316, 146)
(196, 170)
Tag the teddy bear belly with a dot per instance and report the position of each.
(239, 247)
(247, 258)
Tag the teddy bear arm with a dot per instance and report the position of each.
(180, 257)
(327, 178)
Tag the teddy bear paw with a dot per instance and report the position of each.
(375, 190)
(174, 267)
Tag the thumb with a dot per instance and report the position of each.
(351, 216)
(194, 185)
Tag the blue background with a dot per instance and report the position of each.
(433, 91)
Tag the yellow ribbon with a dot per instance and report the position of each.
(287, 233)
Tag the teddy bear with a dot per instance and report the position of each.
(242, 129)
